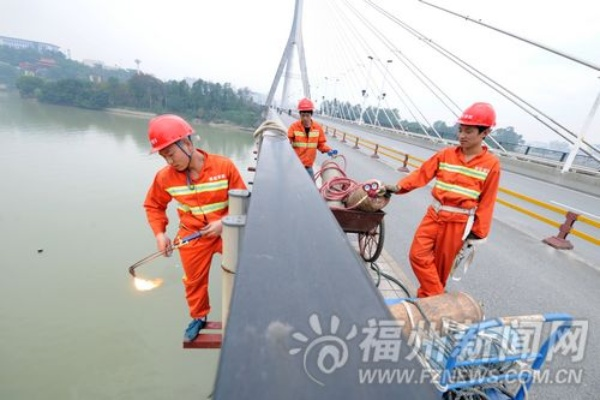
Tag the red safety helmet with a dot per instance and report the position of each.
(305, 105)
(167, 129)
(479, 114)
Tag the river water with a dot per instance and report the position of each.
(71, 223)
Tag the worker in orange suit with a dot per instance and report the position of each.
(199, 182)
(467, 178)
(307, 136)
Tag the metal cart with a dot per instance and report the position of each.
(368, 226)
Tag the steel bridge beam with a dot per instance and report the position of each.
(301, 292)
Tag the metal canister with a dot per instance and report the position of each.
(360, 200)
(330, 169)
(430, 312)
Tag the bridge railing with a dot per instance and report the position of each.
(556, 157)
(565, 226)
(405, 159)
(303, 305)
(590, 232)
(553, 158)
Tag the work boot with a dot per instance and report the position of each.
(194, 328)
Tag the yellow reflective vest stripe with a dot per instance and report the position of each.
(459, 169)
(311, 134)
(206, 209)
(198, 188)
(473, 194)
(305, 145)
(179, 191)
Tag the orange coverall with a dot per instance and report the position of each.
(305, 145)
(461, 184)
(206, 200)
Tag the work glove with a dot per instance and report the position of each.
(332, 153)
(474, 240)
(390, 190)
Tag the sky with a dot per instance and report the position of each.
(242, 42)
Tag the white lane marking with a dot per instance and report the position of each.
(574, 209)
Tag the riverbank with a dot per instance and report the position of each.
(226, 125)
(144, 114)
(123, 111)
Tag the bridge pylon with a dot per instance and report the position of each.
(294, 42)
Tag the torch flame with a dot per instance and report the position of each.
(144, 285)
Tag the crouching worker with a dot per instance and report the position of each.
(467, 178)
(200, 183)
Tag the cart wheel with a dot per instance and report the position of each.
(370, 244)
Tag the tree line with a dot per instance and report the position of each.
(390, 118)
(52, 78)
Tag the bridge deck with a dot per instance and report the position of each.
(514, 273)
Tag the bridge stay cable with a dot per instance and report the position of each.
(365, 22)
(343, 52)
(531, 42)
(348, 52)
(394, 84)
(345, 25)
(359, 41)
(581, 136)
(406, 61)
(403, 94)
(494, 85)
(411, 67)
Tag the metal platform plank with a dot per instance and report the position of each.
(207, 340)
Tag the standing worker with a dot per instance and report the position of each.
(464, 194)
(306, 136)
(200, 183)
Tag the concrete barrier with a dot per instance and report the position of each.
(574, 180)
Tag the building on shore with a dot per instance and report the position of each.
(17, 43)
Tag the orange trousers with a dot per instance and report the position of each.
(196, 257)
(436, 243)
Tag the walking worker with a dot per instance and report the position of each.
(307, 136)
(464, 194)
(200, 183)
